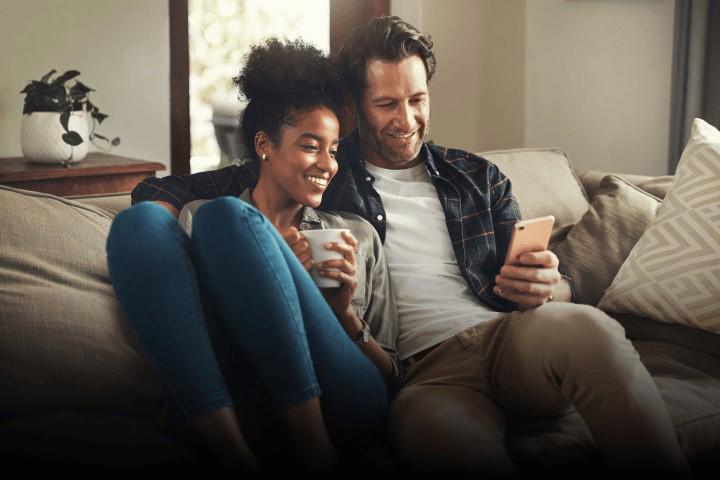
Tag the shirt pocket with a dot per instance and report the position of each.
(360, 299)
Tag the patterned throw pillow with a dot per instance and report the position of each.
(672, 274)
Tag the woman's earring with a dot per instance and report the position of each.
(264, 157)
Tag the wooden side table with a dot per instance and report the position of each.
(97, 173)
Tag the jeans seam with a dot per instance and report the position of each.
(307, 360)
(213, 404)
(299, 396)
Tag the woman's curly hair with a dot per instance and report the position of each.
(280, 79)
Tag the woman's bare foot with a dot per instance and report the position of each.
(221, 433)
(311, 444)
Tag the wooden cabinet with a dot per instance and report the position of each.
(97, 173)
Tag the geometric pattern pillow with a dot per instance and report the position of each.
(673, 273)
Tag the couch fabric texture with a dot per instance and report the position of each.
(67, 356)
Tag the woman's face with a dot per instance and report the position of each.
(303, 163)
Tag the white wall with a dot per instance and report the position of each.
(591, 77)
(121, 49)
(598, 81)
(478, 91)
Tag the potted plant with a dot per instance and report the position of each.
(55, 120)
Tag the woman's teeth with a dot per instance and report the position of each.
(317, 180)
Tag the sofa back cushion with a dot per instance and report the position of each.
(544, 183)
(64, 344)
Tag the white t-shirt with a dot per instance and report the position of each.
(433, 299)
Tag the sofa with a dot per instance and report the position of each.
(76, 390)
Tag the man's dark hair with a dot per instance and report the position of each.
(281, 79)
(384, 38)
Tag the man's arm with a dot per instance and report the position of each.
(176, 191)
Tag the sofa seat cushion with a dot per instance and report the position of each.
(689, 382)
(90, 439)
(64, 344)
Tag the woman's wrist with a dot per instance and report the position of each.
(351, 324)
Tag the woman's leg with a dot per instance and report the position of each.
(293, 339)
(155, 283)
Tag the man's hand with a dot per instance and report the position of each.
(533, 282)
(299, 246)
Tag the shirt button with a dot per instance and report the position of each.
(380, 217)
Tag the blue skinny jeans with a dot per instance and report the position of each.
(231, 318)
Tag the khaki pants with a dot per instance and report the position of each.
(541, 362)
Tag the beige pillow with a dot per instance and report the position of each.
(673, 273)
(596, 247)
(64, 344)
(544, 183)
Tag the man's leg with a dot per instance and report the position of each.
(443, 419)
(562, 354)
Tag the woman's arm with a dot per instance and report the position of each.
(381, 314)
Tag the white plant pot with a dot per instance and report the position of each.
(41, 137)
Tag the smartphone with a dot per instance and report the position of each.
(529, 236)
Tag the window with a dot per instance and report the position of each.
(220, 34)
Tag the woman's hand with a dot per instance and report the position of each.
(343, 271)
(299, 246)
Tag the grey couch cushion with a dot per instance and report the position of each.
(544, 183)
(64, 344)
(599, 243)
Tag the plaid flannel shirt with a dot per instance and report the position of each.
(477, 199)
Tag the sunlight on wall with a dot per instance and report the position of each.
(221, 32)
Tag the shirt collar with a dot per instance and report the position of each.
(309, 218)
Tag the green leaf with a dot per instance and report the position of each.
(72, 138)
(47, 76)
(99, 116)
(64, 119)
(81, 87)
(70, 74)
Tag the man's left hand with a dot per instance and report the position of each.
(533, 281)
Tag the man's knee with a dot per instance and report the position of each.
(581, 332)
(575, 324)
(446, 428)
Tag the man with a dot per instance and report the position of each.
(446, 217)
(477, 338)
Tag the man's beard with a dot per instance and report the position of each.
(376, 142)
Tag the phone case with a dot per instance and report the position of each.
(529, 236)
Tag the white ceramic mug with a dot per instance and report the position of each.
(317, 240)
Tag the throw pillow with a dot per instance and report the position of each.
(673, 273)
(596, 247)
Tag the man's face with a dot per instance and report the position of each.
(394, 112)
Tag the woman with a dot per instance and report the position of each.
(231, 320)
